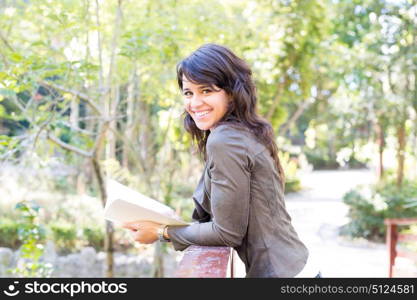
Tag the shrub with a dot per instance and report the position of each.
(31, 234)
(68, 238)
(290, 165)
(369, 206)
(94, 237)
(64, 236)
(292, 185)
(9, 234)
(321, 159)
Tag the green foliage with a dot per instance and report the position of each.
(94, 237)
(9, 234)
(368, 207)
(412, 229)
(321, 159)
(32, 236)
(70, 238)
(64, 236)
(62, 184)
(292, 185)
(290, 165)
(9, 145)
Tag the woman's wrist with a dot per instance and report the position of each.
(165, 232)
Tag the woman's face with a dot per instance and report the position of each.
(205, 105)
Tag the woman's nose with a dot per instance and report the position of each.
(196, 101)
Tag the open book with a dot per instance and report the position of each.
(125, 205)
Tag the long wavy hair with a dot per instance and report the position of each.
(214, 64)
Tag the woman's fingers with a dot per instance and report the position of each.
(134, 225)
(137, 236)
(144, 232)
(143, 237)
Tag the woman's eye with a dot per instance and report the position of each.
(186, 93)
(207, 91)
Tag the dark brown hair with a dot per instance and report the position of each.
(214, 64)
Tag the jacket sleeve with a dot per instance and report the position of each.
(228, 164)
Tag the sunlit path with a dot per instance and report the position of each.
(318, 212)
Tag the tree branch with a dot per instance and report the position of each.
(5, 42)
(137, 158)
(78, 129)
(68, 146)
(78, 94)
(101, 138)
(274, 105)
(301, 108)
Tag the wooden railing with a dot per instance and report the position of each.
(393, 238)
(207, 262)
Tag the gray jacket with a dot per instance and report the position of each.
(239, 203)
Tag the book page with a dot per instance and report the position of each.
(125, 205)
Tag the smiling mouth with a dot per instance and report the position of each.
(202, 114)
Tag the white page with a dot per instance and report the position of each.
(125, 205)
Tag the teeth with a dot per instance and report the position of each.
(202, 113)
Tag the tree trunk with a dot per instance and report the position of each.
(109, 248)
(146, 149)
(112, 111)
(108, 240)
(132, 98)
(381, 147)
(158, 261)
(90, 125)
(112, 93)
(74, 113)
(401, 152)
(110, 104)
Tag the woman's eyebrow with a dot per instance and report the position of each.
(200, 87)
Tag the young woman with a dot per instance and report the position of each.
(239, 200)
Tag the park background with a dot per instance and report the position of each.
(88, 90)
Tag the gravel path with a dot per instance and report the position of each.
(318, 212)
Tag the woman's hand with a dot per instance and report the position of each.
(145, 232)
(172, 214)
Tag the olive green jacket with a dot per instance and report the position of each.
(239, 203)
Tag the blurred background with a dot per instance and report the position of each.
(88, 90)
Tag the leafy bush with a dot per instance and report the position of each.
(94, 237)
(354, 163)
(320, 159)
(31, 234)
(64, 236)
(67, 237)
(290, 166)
(368, 207)
(293, 185)
(9, 234)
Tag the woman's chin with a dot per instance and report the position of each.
(203, 126)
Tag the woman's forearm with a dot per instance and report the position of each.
(202, 234)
